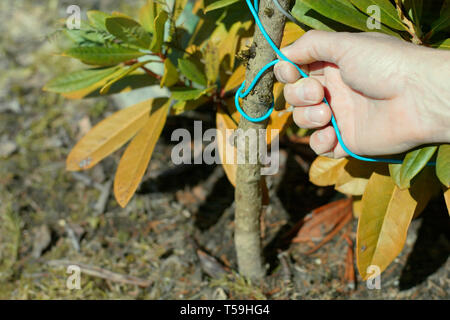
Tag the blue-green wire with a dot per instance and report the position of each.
(239, 94)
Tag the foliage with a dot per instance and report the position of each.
(391, 194)
(199, 68)
(195, 44)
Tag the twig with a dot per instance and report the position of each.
(102, 273)
(283, 258)
(349, 268)
(151, 73)
(73, 238)
(103, 199)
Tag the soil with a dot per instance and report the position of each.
(175, 238)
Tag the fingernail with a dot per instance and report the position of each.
(285, 50)
(321, 136)
(328, 154)
(314, 115)
(304, 92)
(279, 75)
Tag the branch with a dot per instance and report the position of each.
(248, 192)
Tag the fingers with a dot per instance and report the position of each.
(312, 117)
(324, 142)
(317, 45)
(304, 92)
(285, 72)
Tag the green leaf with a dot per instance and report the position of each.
(389, 15)
(342, 12)
(443, 23)
(103, 56)
(394, 171)
(191, 71)
(443, 164)
(129, 31)
(178, 8)
(413, 163)
(158, 34)
(219, 4)
(183, 106)
(97, 19)
(124, 72)
(445, 44)
(147, 15)
(414, 9)
(130, 82)
(79, 79)
(84, 37)
(302, 11)
(183, 93)
(170, 76)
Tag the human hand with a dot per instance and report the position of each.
(387, 95)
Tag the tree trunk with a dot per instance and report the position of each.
(248, 192)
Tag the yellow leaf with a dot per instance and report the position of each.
(447, 199)
(136, 157)
(228, 159)
(170, 76)
(147, 15)
(197, 6)
(357, 206)
(212, 64)
(353, 179)
(231, 110)
(228, 156)
(76, 95)
(108, 136)
(229, 44)
(291, 33)
(235, 79)
(386, 214)
(325, 171)
(279, 120)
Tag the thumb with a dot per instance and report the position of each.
(317, 45)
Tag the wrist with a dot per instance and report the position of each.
(432, 95)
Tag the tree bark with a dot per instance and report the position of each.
(248, 193)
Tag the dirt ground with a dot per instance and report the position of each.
(175, 238)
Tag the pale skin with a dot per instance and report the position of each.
(388, 95)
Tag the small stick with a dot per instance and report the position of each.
(103, 273)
